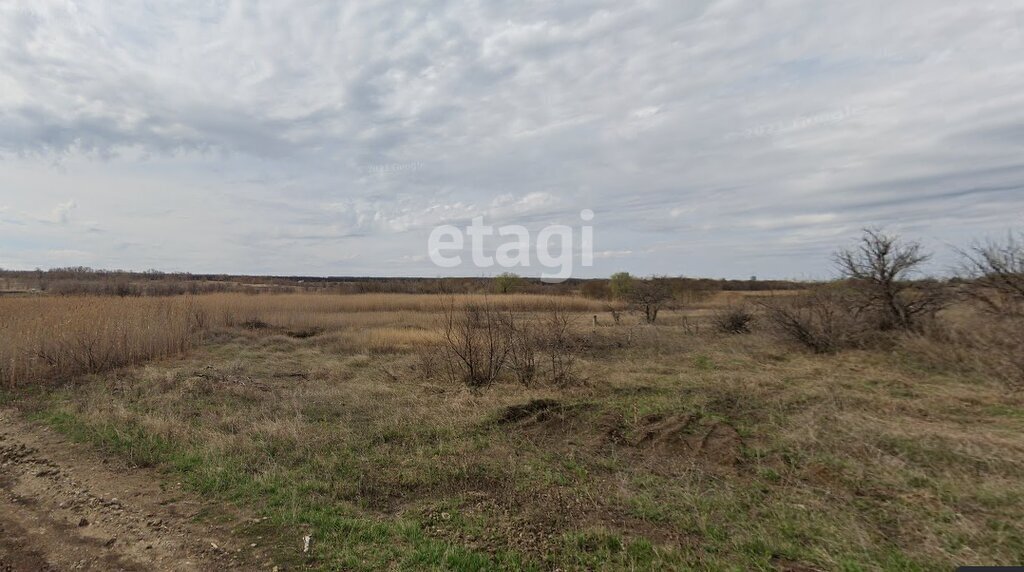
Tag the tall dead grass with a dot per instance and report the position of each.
(296, 304)
(58, 337)
(381, 320)
(53, 337)
(973, 341)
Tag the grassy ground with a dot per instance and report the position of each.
(683, 449)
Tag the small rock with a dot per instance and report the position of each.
(83, 522)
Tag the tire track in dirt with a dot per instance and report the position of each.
(63, 507)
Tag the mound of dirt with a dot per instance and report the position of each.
(691, 436)
(516, 413)
(671, 433)
(550, 420)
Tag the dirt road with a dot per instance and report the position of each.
(64, 507)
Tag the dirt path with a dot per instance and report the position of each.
(63, 507)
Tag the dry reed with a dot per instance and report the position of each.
(57, 337)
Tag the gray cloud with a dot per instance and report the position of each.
(721, 138)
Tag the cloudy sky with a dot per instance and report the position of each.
(716, 138)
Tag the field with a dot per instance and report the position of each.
(672, 446)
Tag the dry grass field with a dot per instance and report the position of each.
(675, 446)
(47, 337)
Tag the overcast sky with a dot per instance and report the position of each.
(716, 138)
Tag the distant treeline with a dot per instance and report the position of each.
(83, 280)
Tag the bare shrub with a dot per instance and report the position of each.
(543, 346)
(824, 319)
(427, 363)
(879, 268)
(475, 343)
(996, 270)
(524, 344)
(736, 319)
(560, 347)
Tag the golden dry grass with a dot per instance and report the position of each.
(44, 336)
(325, 304)
(47, 337)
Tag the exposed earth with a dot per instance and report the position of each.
(64, 507)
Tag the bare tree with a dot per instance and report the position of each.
(997, 270)
(650, 295)
(881, 267)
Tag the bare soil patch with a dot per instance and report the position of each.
(66, 508)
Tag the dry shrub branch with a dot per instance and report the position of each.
(480, 343)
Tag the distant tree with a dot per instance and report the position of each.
(880, 267)
(620, 285)
(650, 295)
(507, 282)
